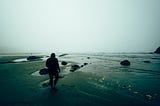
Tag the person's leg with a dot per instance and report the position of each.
(51, 79)
(56, 78)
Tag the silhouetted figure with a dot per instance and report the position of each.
(53, 68)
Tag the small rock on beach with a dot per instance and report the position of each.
(64, 63)
(125, 63)
(74, 67)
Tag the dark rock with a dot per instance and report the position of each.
(146, 61)
(157, 50)
(43, 71)
(34, 58)
(82, 65)
(88, 57)
(85, 63)
(125, 63)
(74, 67)
(64, 63)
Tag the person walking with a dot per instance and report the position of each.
(53, 69)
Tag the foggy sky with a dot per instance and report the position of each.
(79, 25)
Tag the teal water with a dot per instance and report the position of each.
(137, 84)
(140, 80)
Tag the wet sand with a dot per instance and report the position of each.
(91, 85)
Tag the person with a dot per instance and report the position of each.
(53, 70)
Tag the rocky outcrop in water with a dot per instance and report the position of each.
(33, 58)
(157, 50)
(125, 63)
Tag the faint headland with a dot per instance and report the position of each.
(157, 50)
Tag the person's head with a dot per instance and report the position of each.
(53, 55)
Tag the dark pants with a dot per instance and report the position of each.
(53, 72)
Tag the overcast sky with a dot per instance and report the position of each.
(79, 25)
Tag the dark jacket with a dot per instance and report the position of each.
(52, 63)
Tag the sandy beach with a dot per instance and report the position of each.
(102, 81)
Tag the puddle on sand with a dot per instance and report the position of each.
(20, 60)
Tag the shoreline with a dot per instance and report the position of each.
(97, 83)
